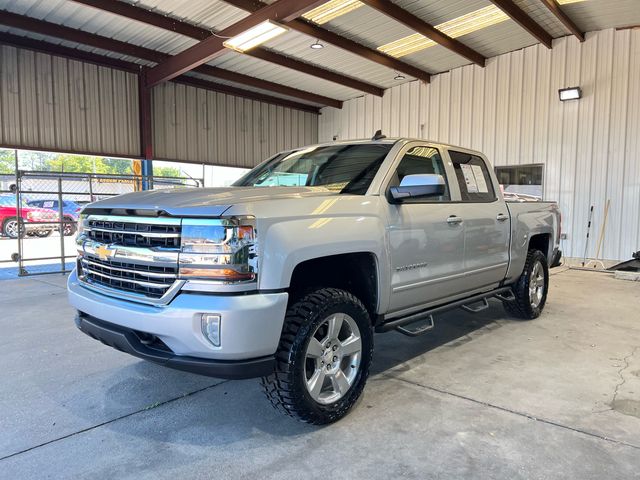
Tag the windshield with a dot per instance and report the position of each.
(340, 168)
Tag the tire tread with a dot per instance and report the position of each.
(279, 387)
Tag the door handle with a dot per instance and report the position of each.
(454, 220)
(502, 217)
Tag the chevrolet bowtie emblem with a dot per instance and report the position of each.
(103, 252)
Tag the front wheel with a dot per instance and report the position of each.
(530, 291)
(13, 228)
(322, 361)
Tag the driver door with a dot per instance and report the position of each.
(426, 242)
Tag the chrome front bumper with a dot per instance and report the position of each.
(250, 328)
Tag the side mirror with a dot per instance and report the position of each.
(418, 186)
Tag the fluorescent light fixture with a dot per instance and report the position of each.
(330, 10)
(572, 93)
(255, 36)
(566, 2)
(457, 27)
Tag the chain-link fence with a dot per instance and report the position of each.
(39, 212)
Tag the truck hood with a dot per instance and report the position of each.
(201, 202)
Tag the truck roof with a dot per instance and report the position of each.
(392, 140)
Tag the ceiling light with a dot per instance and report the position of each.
(317, 45)
(566, 2)
(330, 10)
(255, 36)
(399, 76)
(457, 27)
(572, 93)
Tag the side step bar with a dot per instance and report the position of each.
(503, 293)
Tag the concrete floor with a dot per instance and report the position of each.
(483, 396)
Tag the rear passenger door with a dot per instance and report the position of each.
(486, 222)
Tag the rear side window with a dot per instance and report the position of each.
(473, 177)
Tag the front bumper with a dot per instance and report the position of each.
(128, 341)
(251, 324)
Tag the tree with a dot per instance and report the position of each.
(7, 161)
(167, 172)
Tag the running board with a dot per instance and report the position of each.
(420, 329)
(502, 293)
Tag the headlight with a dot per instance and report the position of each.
(222, 250)
(82, 223)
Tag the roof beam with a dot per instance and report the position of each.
(149, 17)
(102, 60)
(314, 70)
(524, 20)
(356, 48)
(67, 52)
(554, 8)
(423, 28)
(208, 49)
(43, 27)
(85, 38)
(267, 85)
(216, 87)
(184, 28)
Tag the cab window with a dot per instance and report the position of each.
(473, 177)
(421, 160)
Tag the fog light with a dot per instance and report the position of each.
(211, 328)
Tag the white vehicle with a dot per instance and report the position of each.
(289, 283)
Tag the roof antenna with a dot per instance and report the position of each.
(378, 135)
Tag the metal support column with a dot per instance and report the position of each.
(146, 137)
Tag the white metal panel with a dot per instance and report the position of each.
(591, 15)
(510, 111)
(196, 125)
(543, 17)
(49, 102)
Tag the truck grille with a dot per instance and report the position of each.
(148, 280)
(129, 234)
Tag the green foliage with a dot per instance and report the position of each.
(7, 161)
(87, 164)
(72, 163)
(167, 172)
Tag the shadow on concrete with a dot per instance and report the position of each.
(223, 413)
(451, 329)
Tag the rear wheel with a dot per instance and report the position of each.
(13, 228)
(530, 291)
(322, 362)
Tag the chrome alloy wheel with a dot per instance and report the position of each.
(12, 229)
(332, 358)
(536, 285)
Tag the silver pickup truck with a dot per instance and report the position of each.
(287, 274)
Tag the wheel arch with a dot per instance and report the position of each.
(354, 272)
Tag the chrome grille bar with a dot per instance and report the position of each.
(132, 271)
(90, 271)
(142, 234)
(145, 232)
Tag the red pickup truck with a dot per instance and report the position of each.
(31, 221)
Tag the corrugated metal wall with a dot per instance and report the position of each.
(49, 102)
(510, 111)
(197, 125)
